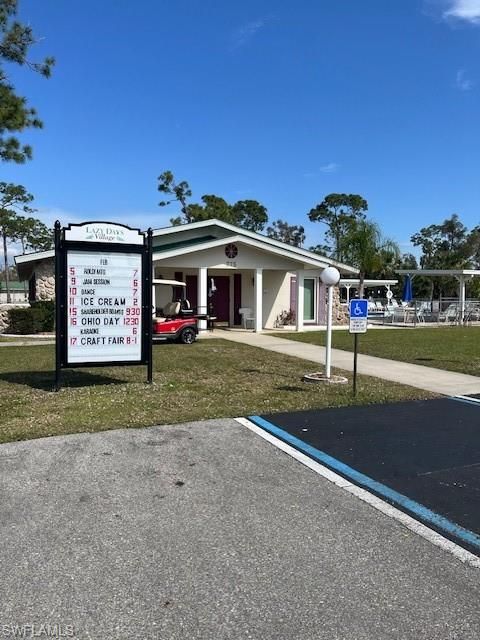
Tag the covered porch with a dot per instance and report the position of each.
(243, 284)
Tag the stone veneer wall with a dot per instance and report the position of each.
(340, 312)
(45, 280)
(4, 309)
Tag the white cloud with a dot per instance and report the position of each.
(462, 82)
(244, 34)
(330, 167)
(466, 10)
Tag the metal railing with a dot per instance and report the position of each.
(419, 311)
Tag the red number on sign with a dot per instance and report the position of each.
(73, 281)
(73, 291)
(72, 271)
(73, 322)
(73, 341)
(73, 311)
(133, 311)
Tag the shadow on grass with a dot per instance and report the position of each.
(45, 380)
(287, 387)
(444, 360)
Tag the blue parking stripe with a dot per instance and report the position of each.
(422, 512)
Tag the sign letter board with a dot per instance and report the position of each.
(104, 294)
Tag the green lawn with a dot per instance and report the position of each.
(210, 379)
(452, 348)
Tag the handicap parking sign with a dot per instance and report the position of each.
(358, 308)
(358, 316)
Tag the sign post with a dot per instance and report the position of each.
(103, 287)
(358, 324)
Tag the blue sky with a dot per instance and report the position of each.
(271, 100)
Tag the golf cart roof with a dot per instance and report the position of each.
(172, 283)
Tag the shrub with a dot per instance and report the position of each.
(25, 320)
(48, 307)
(285, 318)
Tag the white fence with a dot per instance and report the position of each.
(16, 296)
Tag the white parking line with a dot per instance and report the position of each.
(377, 503)
(468, 399)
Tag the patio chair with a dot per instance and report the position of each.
(449, 315)
(247, 317)
(472, 312)
(422, 311)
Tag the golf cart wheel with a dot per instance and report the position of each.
(187, 336)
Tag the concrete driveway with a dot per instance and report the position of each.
(205, 531)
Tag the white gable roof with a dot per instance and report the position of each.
(249, 237)
(314, 262)
(235, 234)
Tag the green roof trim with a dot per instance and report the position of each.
(183, 243)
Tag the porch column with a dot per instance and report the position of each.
(461, 299)
(202, 308)
(258, 286)
(300, 301)
(347, 287)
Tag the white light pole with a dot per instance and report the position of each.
(330, 277)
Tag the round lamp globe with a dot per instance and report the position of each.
(330, 276)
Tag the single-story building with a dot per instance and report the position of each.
(226, 269)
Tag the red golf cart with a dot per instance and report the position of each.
(175, 320)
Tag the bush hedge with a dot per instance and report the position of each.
(37, 318)
(48, 307)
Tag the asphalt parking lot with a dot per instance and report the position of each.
(423, 457)
(204, 530)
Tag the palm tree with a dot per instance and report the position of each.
(365, 248)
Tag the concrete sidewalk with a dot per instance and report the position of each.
(434, 380)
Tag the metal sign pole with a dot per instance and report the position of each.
(149, 302)
(58, 308)
(355, 354)
(358, 324)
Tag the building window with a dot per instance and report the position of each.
(309, 287)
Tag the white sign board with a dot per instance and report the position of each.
(104, 307)
(106, 232)
(358, 325)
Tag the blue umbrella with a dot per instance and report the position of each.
(407, 295)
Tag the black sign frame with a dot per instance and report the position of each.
(62, 246)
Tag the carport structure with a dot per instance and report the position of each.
(462, 275)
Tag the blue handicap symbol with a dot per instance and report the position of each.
(358, 308)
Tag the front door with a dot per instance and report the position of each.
(219, 297)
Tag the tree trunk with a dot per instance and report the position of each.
(5, 262)
(361, 286)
